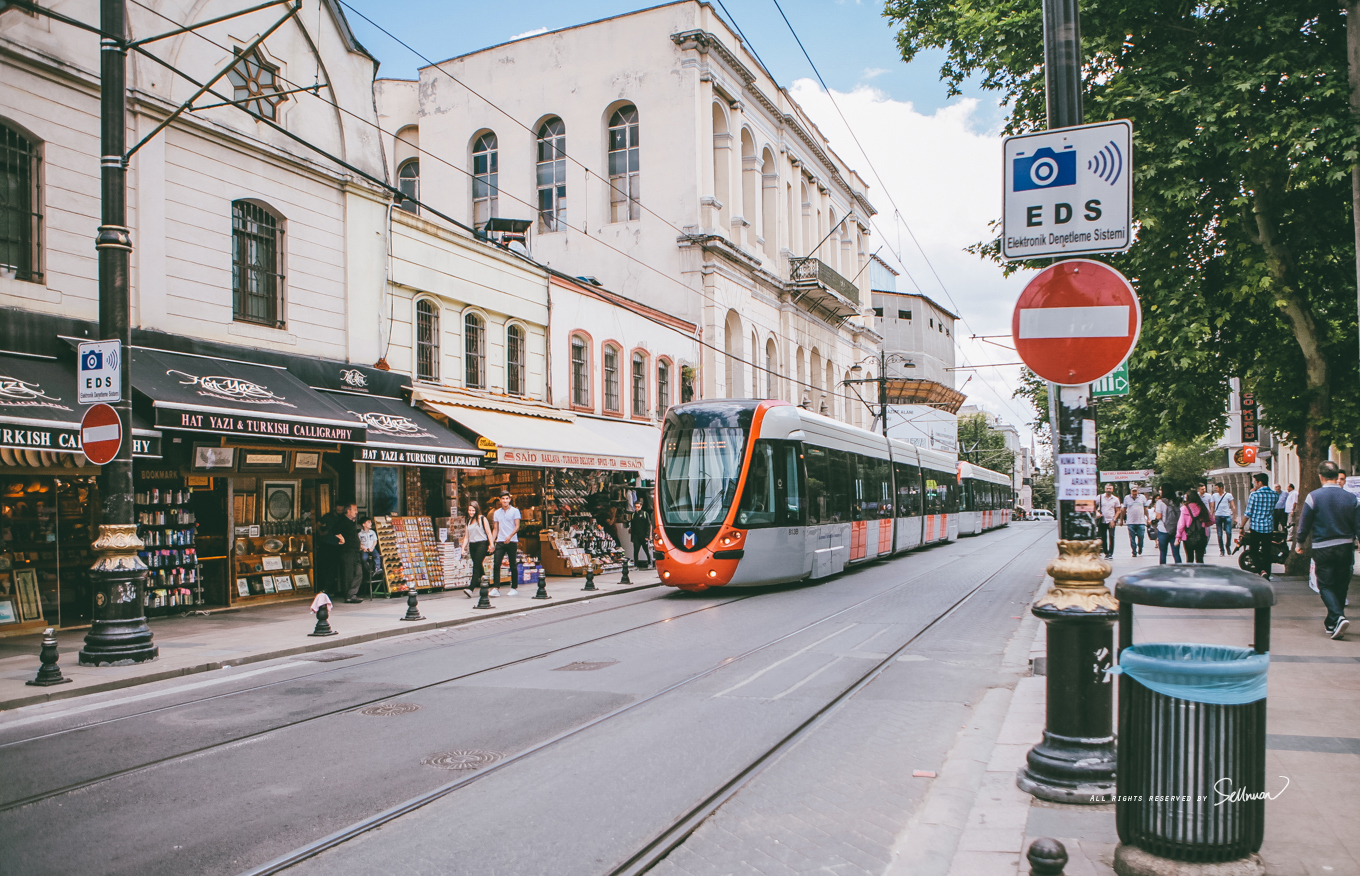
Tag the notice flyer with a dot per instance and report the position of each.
(1078, 476)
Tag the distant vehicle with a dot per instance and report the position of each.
(1041, 514)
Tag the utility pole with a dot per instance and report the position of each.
(119, 632)
(883, 390)
(1075, 762)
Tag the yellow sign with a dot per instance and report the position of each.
(485, 444)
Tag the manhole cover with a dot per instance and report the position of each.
(469, 759)
(585, 666)
(387, 710)
(329, 656)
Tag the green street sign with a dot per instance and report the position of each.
(1115, 384)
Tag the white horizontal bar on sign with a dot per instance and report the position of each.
(101, 433)
(1075, 322)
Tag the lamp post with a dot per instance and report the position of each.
(884, 360)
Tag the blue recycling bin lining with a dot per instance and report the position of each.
(1222, 675)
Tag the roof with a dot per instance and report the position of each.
(557, 278)
(931, 301)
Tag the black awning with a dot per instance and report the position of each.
(399, 434)
(39, 411)
(230, 397)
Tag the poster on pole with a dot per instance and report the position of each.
(1078, 476)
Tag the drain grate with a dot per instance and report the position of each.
(387, 710)
(467, 759)
(329, 656)
(585, 666)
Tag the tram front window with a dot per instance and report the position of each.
(700, 468)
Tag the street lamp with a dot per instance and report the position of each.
(883, 360)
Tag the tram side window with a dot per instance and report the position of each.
(861, 495)
(885, 490)
(908, 490)
(951, 493)
(838, 483)
(793, 484)
(816, 459)
(759, 498)
(932, 492)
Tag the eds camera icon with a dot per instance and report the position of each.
(93, 360)
(1045, 169)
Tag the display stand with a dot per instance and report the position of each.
(410, 555)
(168, 531)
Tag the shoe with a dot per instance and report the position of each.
(495, 591)
(467, 591)
(1340, 629)
(514, 591)
(354, 601)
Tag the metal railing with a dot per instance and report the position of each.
(818, 271)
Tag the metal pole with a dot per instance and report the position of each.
(118, 633)
(1075, 762)
(883, 390)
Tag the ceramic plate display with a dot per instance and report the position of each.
(273, 546)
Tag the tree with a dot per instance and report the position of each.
(981, 444)
(1244, 145)
(1042, 494)
(1126, 436)
(1181, 467)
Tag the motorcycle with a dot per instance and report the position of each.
(1278, 552)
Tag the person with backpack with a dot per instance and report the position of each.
(1331, 517)
(1168, 514)
(1193, 527)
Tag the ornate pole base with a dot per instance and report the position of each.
(1075, 762)
(118, 635)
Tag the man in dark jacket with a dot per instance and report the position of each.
(348, 560)
(1331, 516)
(640, 531)
(325, 547)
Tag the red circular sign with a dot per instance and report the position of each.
(101, 434)
(1076, 322)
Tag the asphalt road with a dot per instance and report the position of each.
(597, 725)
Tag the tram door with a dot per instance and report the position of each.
(772, 512)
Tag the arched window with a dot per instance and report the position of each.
(623, 165)
(474, 352)
(427, 340)
(732, 360)
(771, 365)
(580, 372)
(514, 359)
(255, 86)
(485, 179)
(611, 379)
(663, 388)
(256, 260)
(408, 182)
(769, 224)
(20, 206)
(552, 174)
(722, 169)
(755, 366)
(639, 384)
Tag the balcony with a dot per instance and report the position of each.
(820, 288)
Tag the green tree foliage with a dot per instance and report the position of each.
(1243, 149)
(1182, 466)
(982, 445)
(1127, 438)
(1042, 493)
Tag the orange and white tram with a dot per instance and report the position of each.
(752, 492)
(987, 501)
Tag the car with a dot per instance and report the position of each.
(1041, 514)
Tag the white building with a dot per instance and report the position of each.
(652, 152)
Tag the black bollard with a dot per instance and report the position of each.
(1047, 857)
(48, 673)
(542, 585)
(590, 578)
(623, 579)
(484, 596)
(412, 607)
(323, 622)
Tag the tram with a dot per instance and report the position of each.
(753, 492)
(987, 501)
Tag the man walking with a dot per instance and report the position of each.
(1281, 509)
(1259, 523)
(1107, 517)
(1332, 517)
(640, 533)
(1135, 517)
(1224, 508)
(349, 563)
(506, 523)
(1291, 509)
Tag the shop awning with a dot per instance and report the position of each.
(39, 413)
(643, 438)
(399, 434)
(229, 397)
(540, 441)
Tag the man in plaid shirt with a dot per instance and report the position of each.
(1260, 522)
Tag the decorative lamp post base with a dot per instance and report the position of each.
(119, 635)
(1133, 861)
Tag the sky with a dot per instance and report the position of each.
(936, 158)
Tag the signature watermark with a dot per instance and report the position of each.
(1223, 790)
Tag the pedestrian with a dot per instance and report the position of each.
(640, 531)
(1258, 523)
(1107, 516)
(327, 553)
(506, 520)
(368, 551)
(476, 542)
(1291, 509)
(1168, 512)
(1224, 507)
(348, 564)
(1331, 516)
(1135, 518)
(1193, 527)
(1281, 516)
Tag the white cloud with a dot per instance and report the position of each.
(528, 33)
(944, 172)
(873, 72)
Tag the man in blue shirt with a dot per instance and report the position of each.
(1331, 515)
(1260, 522)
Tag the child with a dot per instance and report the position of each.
(368, 549)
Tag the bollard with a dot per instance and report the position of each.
(412, 607)
(590, 578)
(48, 673)
(542, 585)
(323, 624)
(1047, 857)
(484, 596)
(623, 579)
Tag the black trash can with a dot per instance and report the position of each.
(1192, 722)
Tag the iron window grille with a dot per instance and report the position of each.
(257, 282)
(427, 340)
(663, 389)
(514, 360)
(611, 379)
(623, 165)
(552, 175)
(474, 349)
(580, 384)
(639, 385)
(255, 86)
(408, 183)
(485, 180)
(20, 200)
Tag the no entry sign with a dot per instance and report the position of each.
(101, 434)
(1076, 322)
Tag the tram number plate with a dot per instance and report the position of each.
(793, 531)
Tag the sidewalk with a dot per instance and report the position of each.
(232, 637)
(1313, 740)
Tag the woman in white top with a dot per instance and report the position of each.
(476, 542)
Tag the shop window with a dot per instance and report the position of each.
(623, 165)
(580, 372)
(408, 183)
(20, 206)
(474, 352)
(552, 175)
(485, 179)
(639, 385)
(384, 490)
(611, 379)
(256, 275)
(663, 388)
(514, 359)
(427, 340)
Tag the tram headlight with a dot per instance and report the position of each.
(666, 574)
(732, 537)
(712, 573)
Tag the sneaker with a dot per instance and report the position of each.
(1340, 629)
(514, 591)
(495, 591)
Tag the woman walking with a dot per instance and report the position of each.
(1168, 512)
(476, 542)
(1193, 526)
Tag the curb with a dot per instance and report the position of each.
(325, 645)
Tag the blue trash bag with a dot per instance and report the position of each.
(1223, 675)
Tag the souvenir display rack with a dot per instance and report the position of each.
(273, 560)
(410, 555)
(580, 542)
(168, 530)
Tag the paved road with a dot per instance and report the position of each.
(600, 725)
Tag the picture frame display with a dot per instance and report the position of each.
(242, 587)
(283, 583)
(272, 563)
(209, 457)
(302, 582)
(9, 611)
(307, 460)
(279, 499)
(268, 584)
(263, 460)
(26, 591)
(323, 500)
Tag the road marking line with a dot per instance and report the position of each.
(809, 678)
(779, 663)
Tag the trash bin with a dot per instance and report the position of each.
(1192, 722)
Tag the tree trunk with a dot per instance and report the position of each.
(1353, 61)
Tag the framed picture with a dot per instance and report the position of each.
(272, 563)
(307, 460)
(264, 460)
(26, 589)
(6, 585)
(208, 457)
(242, 587)
(280, 500)
(323, 500)
(254, 531)
(283, 583)
(198, 482)
(268, 584)
(9, 612)
(302, 582)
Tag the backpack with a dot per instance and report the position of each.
(1196, 536)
